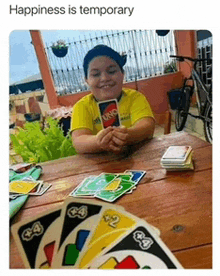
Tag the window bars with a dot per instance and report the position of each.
(147, 56)
(204, 50)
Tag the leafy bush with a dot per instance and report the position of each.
(36, 145)
(170, 67)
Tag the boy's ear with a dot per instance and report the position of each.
(124, 76)
(86, 82)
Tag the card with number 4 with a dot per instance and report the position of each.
(36, 238)
(140, 248)
(78, 220)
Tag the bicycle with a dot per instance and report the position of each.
(204, 105)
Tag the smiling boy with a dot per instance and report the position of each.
(103, 69)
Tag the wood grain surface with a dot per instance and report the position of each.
(178, 203)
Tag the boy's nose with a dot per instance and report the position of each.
(105, 76)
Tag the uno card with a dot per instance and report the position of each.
(176, 154)
(81, 190)
(43, 188)
(111, 195)
(125, 176)
(140, 248)
(78, 219)
(109, 113)
(21, 186)
(136, 175)
(23, 167)
(99, 183)
(113, 224)
(36, 238)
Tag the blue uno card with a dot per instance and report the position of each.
(136, 175)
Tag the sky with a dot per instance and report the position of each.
(22, 57)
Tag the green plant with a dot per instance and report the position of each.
(60, 44)
(36, 145)
(170, 67)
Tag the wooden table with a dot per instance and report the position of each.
(178, 203)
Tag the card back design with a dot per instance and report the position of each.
(109, 113)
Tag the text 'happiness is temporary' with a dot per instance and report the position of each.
(42, 10)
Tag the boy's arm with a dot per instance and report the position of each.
(142, 129)
(85, 142)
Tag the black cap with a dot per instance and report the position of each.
(103, 50)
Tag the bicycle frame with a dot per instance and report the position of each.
(204, 104)
(196, 79)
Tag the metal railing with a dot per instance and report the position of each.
(147, 56)
(204, 50)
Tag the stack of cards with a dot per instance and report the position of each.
(107, 186)
(177, 158)
(84, 233)
(28, 186)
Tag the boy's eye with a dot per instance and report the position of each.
(111, 72)
(98, 74)
(95, 74)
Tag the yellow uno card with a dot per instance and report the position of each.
(22, 187)
(113, 185)
(113, 225)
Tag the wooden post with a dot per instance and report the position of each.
(44, 68)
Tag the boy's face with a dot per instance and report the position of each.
(105, 78)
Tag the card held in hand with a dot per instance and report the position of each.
(109, 113)
(139, 249)
(36, 238)
(78, 220)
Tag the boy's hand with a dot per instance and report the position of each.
(104, 138)
(119, 138)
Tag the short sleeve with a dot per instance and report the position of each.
(140, 108)
(81, 117)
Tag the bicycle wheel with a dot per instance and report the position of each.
(183, 109)
(208, 123)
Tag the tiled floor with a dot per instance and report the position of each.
(193, 126)
(160, 131)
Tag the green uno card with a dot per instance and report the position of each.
(79, 191)
(112, 195)
(124, 176)
(99, 183)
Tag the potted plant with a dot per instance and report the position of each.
(170, 67)
(60, 48)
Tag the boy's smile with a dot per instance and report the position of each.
(105, 78)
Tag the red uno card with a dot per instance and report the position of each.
(109, 113)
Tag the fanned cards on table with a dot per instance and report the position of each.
(84, 233)
(27, 186)
(109, 186)
(178, 158)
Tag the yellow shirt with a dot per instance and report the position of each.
(133, 106)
